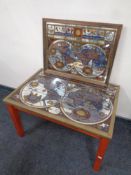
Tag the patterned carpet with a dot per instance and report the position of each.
(50, 149)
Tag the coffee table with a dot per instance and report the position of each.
(102, 131)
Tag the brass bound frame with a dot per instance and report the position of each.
(102, 35)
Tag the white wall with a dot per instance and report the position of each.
(21, 38)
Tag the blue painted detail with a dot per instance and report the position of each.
(95, 37)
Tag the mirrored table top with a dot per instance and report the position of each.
(82, 105)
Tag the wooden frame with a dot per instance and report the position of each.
(106, 26)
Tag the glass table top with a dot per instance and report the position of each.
(81, 103)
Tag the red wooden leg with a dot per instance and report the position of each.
(100, 153)
(16, 120)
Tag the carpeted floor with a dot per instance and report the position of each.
(49, 149)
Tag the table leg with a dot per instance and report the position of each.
(16, 120)
(100, 153)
